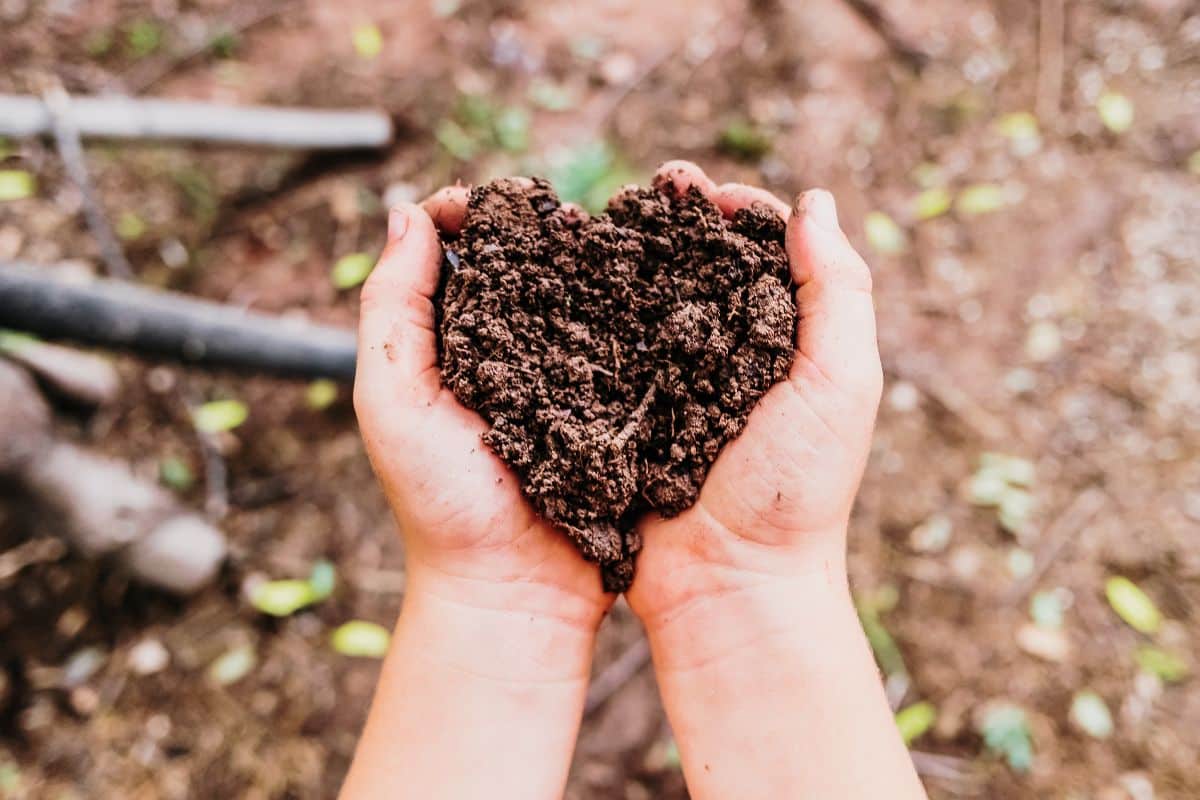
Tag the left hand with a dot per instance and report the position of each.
(469, 534)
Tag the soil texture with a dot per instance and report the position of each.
(613, 356)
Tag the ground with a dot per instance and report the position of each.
(1051, 313)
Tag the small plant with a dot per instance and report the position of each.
(744, 140)
(478, 125)
(589, 174)
(1005, 730)
(143, 38)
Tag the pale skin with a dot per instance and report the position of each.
(766, 677)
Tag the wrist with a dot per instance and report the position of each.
(513, 632)
(753, 615)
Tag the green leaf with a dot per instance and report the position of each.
(987, 488)
(233, 665)
(981, 198)
(321, 394)
(323, 579)
(915, 720)
(1133, 605)
(16, 184)
(176, 473)
(360, 638)
(1006, 733)
(932, 203)
(884, 235)
(1090, 714)
(887, 652)
(1047, 610)
(130, 226)
(368, 40)
(143, 38)
(1169, 667)
(551, 96)
(224, 45)
(1011, 469)
(928, 175)
(10, 778)
(220, 415)
(1021, 129)
(15, 341)
(455, 140)
(742, 139)
(351, 270)
(1116, 111)
(1016, 506)
(671, 754)
(283, 598)
(1020, 563)
(511, 128)
(6, 148)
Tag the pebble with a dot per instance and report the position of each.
(148, 657)
(1048, 644)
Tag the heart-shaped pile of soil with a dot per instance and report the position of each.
(613, 356)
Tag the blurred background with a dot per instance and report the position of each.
(1024, 176)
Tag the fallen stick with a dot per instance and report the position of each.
(103, 507)
(82, 377)
(184, 120)
(70, 150)
(1062, 531)
(872, 12)
(115, 314)
(616, 675)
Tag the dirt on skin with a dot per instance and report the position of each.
(613, 356)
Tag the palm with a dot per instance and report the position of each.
(444, 482)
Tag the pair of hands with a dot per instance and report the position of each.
(773, 509)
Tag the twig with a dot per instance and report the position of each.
(616, 675)
(70, 149)
(981, 422)
(120, 315)
(911, 55)
(635, 419)
(1051, 30)
(184, 120)
(28, 553)
(1064, 528)
(950, 769)
(147, 75)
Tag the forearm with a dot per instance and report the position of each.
(473, 701)
(772, 692)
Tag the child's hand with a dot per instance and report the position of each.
(469, 534)
(775, 505)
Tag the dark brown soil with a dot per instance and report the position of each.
(614, 355)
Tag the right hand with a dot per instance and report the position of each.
(775, 506)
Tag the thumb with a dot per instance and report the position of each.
(836, 339)
(397, 347)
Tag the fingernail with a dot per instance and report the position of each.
(818, 205)
(397, 224)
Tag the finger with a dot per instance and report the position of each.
(836, 336)
(397, 353)
(446, 207)
(732, 197)
(682, 174)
